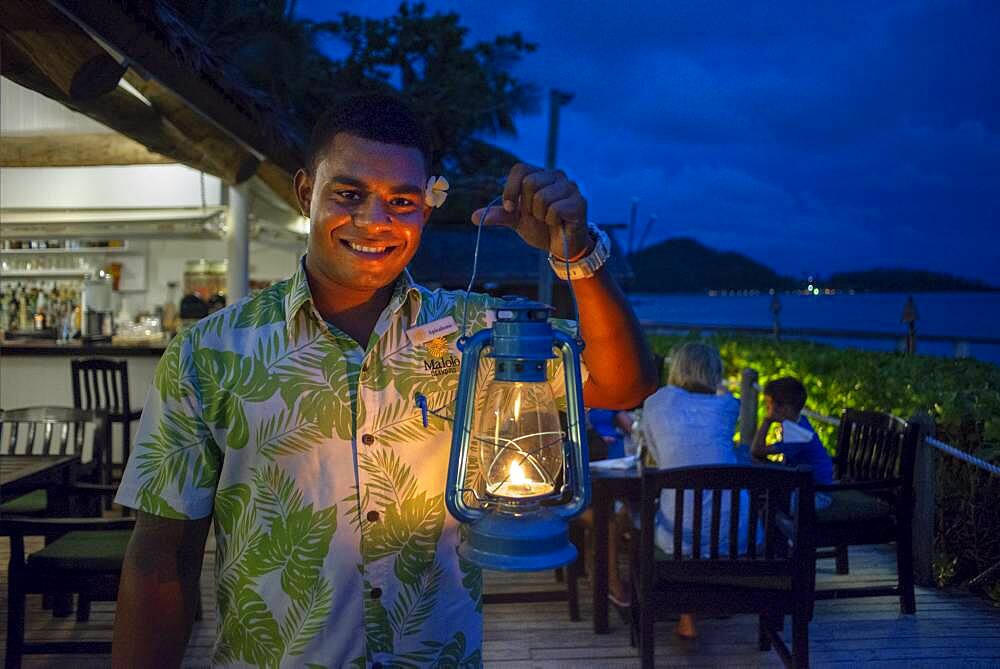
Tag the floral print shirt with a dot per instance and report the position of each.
(334, 547)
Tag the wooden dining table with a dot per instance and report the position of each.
(20, 474)
(607, 485)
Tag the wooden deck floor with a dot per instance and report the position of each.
(950, 629)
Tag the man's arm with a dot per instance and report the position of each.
(547, 210)
(158, 591)
(617, 356)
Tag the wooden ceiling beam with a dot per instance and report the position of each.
(279, 181)
(75, 64)
(228, 156)
(236, 115)
(76, 150)
(121, 111)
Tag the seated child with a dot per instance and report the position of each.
(785, 398)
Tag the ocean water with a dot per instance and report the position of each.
(952, 314)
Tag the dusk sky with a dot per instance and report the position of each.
(813, 136)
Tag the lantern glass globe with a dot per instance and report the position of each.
(520, 441)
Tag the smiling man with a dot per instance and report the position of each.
(289, 419)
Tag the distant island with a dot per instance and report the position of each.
(683, 265)
(888, 280)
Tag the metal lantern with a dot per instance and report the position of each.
(534, 475)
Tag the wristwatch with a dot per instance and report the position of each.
(588, 265)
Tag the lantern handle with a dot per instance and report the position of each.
(577, 458)
(454, 498)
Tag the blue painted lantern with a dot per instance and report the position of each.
(532, 476)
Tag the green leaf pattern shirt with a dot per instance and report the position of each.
(327, 491)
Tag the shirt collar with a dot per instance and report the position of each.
(298, 294)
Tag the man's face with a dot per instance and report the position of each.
(366, 205)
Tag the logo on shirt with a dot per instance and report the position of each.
(437, 348)
(440, 360)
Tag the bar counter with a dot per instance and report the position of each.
(77, 348)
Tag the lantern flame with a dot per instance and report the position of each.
(517, 476)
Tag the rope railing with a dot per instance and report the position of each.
(829, 420)
(962, 455)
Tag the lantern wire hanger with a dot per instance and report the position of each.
(475, 268)
(421, 400)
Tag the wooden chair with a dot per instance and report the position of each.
(776, 575)
(872, 498)
(39, 431)
(85, 559)
(75, 555)
(102, 383)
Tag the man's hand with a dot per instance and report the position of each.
(542, 205)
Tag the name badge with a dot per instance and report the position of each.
(422, 334)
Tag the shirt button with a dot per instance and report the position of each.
(367, 439)
(375, 593)
(373, 516)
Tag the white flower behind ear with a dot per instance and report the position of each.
(436, 191)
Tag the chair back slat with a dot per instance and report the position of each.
(29, 441)
(734, 525)
(106, 386)
(713, 541)
(754, 519)
(678, 522)
(696, 527)
(64, 433)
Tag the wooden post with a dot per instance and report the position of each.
(749, 397)
(776, 316)
(910, 317)
(925, 507)
(238, 244)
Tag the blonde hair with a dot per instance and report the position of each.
(695, 367)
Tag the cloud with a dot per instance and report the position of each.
(847, 134)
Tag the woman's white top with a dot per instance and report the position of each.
(681, 429)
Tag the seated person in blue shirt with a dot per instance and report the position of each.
(799, 444)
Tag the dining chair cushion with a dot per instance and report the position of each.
(852, 506)
(33, 503)
(83, 551)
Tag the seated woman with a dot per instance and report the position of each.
(691, 421)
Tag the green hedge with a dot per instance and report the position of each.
(962, 395)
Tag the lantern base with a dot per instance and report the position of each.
(533, 541)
